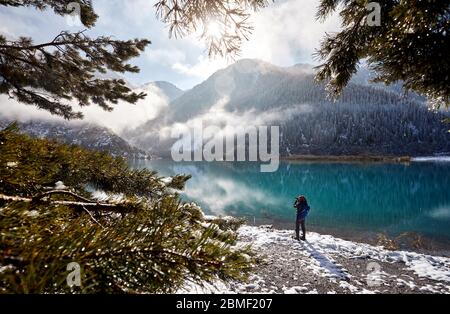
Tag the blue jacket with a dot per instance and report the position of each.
(302, 211)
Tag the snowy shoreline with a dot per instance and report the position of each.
(326, 264)
(431, 159)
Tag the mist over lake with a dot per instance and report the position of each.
(347, 197)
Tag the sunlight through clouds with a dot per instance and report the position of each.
(285, 33)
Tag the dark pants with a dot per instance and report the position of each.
(300, 223)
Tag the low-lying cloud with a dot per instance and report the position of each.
(124, 115)
(228, 121)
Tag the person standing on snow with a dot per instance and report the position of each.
(302, 211)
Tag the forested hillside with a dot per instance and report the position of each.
(366, 119)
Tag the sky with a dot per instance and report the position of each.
(285, 33)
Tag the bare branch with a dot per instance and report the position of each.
(92, 217)
(119, 207)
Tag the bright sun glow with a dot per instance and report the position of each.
(214, 29)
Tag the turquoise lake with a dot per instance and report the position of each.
(344, 198)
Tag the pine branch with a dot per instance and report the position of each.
(64, 192)
(66, 68)
(119, 207)
(230, 17)
(60, 7)
(156, 252)
(410, 45)
(153, 246)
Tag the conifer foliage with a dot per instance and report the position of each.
(140, 237)
(49, 75)
(223, 24)
(410, 44)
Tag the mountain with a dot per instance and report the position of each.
(366, 119)
(86, 135)
(168, 89)
(89, 134)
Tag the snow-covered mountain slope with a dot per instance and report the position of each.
(366, 119)
(168, 89)
(86, 135)
(99, 130)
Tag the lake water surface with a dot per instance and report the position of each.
(344, 198)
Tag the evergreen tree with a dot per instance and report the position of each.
(140, 239)
(48, 75)
(409, 44)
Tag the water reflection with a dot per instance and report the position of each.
(391, 198)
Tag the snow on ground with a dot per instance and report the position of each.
(325, 264)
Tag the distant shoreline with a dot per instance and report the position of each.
(348, 158)
(340, 158)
